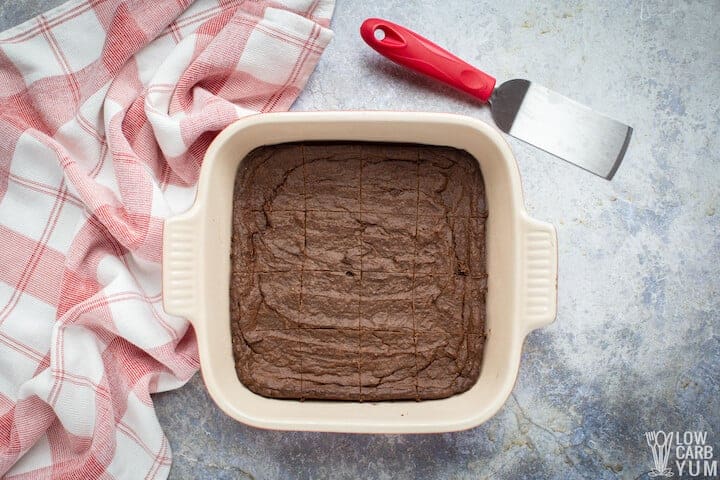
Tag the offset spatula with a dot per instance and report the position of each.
(523, 109)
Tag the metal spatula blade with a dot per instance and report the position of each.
(525, 110)
(560, 126)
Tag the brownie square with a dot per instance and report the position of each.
(439, 304)
(440, 192)
(332, 174)
(390, 181)
(272, 179)
(277, 240)
(266, 301)
(330, 364)
(475, 304)
(333, 241)
(242, 255)
(460, 233)
(386, 302)
(387, 365)
(447, 362)
(476, 246)
(388, 242)
(330, 300)
(435, 252)
(268, 362)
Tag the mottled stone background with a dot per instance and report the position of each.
(635, 346)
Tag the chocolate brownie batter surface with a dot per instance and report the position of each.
(358, 271)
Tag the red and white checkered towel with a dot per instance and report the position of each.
(106, 109)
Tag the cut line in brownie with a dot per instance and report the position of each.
(358, 271)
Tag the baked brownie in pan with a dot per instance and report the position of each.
(358, 271)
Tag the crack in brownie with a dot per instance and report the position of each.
(358, 271)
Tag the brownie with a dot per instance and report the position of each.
(358, 271)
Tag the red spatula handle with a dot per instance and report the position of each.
(411, 50)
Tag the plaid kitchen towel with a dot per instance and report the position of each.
(106, 109)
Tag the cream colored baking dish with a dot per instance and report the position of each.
(521, 263)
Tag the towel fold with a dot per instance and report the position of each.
(106, 110)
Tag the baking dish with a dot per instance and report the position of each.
(521, 265)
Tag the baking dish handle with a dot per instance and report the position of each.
(540, 273)
(180, 270)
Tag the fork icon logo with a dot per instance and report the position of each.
(660, 443)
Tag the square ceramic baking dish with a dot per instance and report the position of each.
(521, 264)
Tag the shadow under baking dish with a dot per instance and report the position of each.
(521, 262)
(358, 271)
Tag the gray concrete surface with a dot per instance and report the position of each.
(635, 346)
